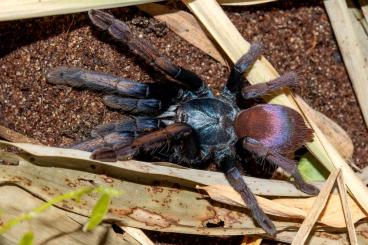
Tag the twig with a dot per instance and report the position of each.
(316, 210)
(345, 207)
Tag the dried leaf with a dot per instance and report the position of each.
(55, 226)
(11, 135)
(330, 238)
(295, 208)
(22, 9)
(226, 194)
(138, 235)
(164, 207)
(133, 170)
(186, 26)
(338, 137)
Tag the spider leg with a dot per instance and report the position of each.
(128, 96)
(258, 90)
(233, 175)
(97, 81)
(133, 105)
(288, 165)
(143, 48)
(109, 139)
(144, 143)
(123, 133)
(234, 82)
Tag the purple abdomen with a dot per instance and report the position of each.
(275, 126)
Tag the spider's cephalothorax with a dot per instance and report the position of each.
(186, 117)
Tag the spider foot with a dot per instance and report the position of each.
(306, 188)
(101, 19)
(236, 181)
(106, 154)
(263, 220)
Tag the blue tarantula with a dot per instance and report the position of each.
(185, 116)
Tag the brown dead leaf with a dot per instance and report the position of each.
(186, 26)
(11, 135)
(289, 207)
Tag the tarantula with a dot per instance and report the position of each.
(194, 123)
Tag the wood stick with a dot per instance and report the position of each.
(316, 210)
(347, 212)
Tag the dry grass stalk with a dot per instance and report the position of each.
(22, 9)
(347, 212)
(229, 38)
(316, 210)
(352, 48)
(13, 136)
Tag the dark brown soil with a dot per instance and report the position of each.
(296, 37)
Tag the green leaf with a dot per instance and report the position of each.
(98, 212)
(310, 168)
(27, 238)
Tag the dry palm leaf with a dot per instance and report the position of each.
(55, 226)
(22, 9)
(136, 170)
(228, 37)
(146, 173)
(330, 238)
(295, 208)
(164, 207)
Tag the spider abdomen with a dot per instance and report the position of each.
(276, 127)
(211, 119)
